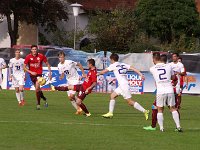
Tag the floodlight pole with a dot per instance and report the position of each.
(76, 8)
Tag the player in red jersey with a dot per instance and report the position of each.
(82, 89)
(33, 65)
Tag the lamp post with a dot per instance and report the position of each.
(76, 8)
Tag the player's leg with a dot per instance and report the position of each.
(17, 93)
(21, 91)
(161, 102)
(111, 105)
(175, 115)
(62, 88)
(38, 96)
(72, 98)
(152, 127)
(1, 79)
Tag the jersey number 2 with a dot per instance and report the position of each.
(162, 72)
(122, 70)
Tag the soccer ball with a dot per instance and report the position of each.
(41, 81)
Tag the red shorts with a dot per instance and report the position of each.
(34, 78)
(81, 92)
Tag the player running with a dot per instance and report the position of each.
(2, 66)
(17, 76)
(83, 89)
(163, 74)
(179, 70)
(33, 65)
(68, 68)
(120, 71)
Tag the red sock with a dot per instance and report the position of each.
(38, 97)
(83, 107)
(62, 88)
(154, 118)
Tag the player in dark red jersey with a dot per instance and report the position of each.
(33, 65)
(83, 89)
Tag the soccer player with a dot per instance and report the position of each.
(2, 66)
(179, 70)
(17, 76)
(120, 71)
(163, 74)
(68, 68)
(83, 89)
(33, 65)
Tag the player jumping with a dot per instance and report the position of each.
(33, 65)
(17, 76)
(163, 74)
(120, 71)
(83, 89)
(68, 68)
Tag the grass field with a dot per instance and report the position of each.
(57, 128)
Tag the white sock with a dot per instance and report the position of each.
(111, 105)
(160, 120)
(22, 95)
(18, 97)
(74, 104)
(138, 107)
(175, 116)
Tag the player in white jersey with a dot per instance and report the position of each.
(120, 71)
(68, 68)
(2, 66)
(163, 74)
(179, 70)
(17, 76)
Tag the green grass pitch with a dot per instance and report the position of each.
(58, 128)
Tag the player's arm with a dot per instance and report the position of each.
(137, 71)
(3, 65)
(82, 70)
(49, 69)
(62, 75)
(29, 71)
(91, 87)
(103, 72)
(10, 71)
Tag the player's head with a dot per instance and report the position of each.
(180, 59)
(156, 57)
(175, 57)
(114, 58)
(34, 49)
(91, 63)
(163, 58)
(61, 56)
(17, 53)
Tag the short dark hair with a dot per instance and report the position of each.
(91, 61)
(163, 58)
(34, 46)
(180, 58)
(156, 56)
(17, 49)
(61, 53)
(114, 57)
(175, 54)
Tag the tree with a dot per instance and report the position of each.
(38, 12)
(114, 30)
(168, 20)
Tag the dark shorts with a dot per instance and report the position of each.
(81, 92)
(34, 78)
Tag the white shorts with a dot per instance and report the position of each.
(16, 82)
(165, 100)
(72, 82)
(1, 78)
(124, 91)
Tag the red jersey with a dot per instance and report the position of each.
(35, 62)
(90, 79)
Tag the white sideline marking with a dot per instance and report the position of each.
(79, 123)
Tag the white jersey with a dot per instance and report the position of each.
(162, 74)
(178, 67)
(2, 64)
(120, 72)
(17, 67)
(69, 69)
